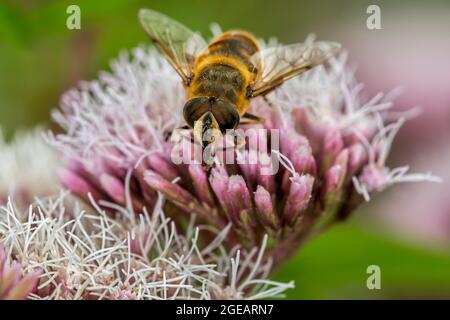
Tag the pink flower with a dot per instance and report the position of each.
(89, 255)
(14, 285)
(329, 154)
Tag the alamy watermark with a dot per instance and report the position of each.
(73, 21)
(374, 280)
(262, 148)
(373, 21)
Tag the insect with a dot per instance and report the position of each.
(222, 76)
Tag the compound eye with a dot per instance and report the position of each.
(194, 109)
(226, 115)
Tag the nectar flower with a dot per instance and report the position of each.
(333, 146)
(90, 256)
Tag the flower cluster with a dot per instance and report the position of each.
(88, 255)
(333, 146)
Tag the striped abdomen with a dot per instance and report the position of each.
(225, 71)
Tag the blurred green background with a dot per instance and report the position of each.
(40, 59)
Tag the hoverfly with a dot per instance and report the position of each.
(222, 76)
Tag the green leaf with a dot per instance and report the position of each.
(334, 266)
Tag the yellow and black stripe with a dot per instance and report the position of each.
(225, 71)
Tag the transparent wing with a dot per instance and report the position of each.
(280, 63)
(179, 44)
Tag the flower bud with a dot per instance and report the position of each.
(164, 167)
(298, 198)
(238, 197)
(172, 191)
(357, 157)
(248, 163)
(113, 187)
(200, 183)
(264, 209)
(335, 178)
(332, 146)
(78, 185)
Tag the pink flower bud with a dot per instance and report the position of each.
(13, 284)
(78, 185)
(373, 177)
(267, 180)
(113, 187)
(332, 146)
(200, 183)
(335, 176)
(357, 157)
(302, 159)
(298, 198)
(218, 179)
(248, 164)
(163, 166)
(291, 140)
(264, 209)
(238, 197)
(172, 191)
